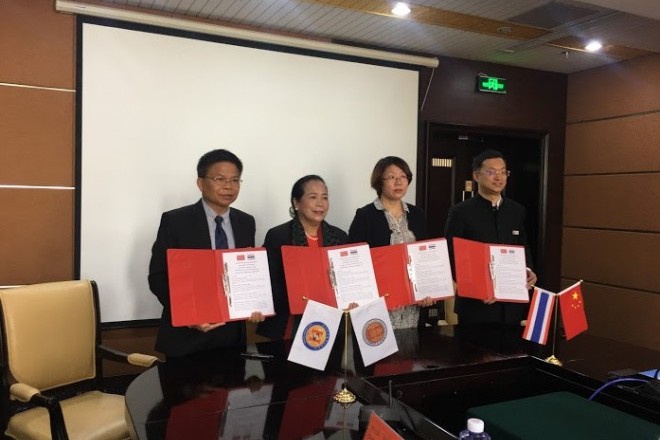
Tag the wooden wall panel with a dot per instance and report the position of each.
(452, 98)
(37, 236)
(621, 201)
(626, 144)
(612, 258)
(622, 314)
(37, 131)
(626, 88)
(37, 44)
(611, 216)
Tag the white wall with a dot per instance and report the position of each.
(152, 104)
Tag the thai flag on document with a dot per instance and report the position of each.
(538, 319)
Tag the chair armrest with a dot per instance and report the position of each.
(142, 360)
(26, 393)
(23, 392)
(139, 359)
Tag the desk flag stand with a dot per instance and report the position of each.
(552, 359)
(344, 397)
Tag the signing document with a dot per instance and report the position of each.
(430, 270)
(352, 274)
(509, 273)
(246, 282)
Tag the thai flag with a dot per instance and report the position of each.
(538, 319)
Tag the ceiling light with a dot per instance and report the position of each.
(401, 9)
(593, 46)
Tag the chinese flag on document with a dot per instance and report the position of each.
(572, 311)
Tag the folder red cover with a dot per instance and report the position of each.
(391, 269)
(306, 409)
(307, 274)
(378, 429)
(198, 418)
(197, 294)
(473, 273)
(392, 276)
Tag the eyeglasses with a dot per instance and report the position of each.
(393, 178)
(493, 173)
(222, 181)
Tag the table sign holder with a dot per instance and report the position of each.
(344, 397)
(552, 359)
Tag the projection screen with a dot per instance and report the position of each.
(151, 104)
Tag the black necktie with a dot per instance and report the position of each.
(220, 236)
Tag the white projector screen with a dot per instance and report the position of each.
(152, 104)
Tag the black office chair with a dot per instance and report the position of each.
(51, 341)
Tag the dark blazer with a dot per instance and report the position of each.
(275, 326)
(187, 228)
(370, 225)
(476, 219)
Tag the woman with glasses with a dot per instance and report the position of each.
(309, 207)
(389, 220)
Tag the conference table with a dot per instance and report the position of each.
(424, 391)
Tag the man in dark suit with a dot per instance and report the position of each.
(208, 224)
(489, 217)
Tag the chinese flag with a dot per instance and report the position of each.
(572, 311)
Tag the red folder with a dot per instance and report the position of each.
(197, 294)
(472, 265)
(378, 429)
(391, 269)
(307, 274)
(306, 409)
(392, 277)
(198, 418)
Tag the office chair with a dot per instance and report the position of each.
(51, 341)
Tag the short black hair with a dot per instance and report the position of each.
(479, 159)
(215, 156)
(381, 166)
(298, 189)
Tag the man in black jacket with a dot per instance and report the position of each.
(488, 217)
(208, 224)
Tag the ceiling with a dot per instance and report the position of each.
(539, 34)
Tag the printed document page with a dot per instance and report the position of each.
(247, 286)
(509, 273)
(430, 269)
(353, 276)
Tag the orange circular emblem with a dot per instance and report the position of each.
(315, 335)
(374, 332)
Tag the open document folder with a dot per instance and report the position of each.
(335, 275)
(218, 285)
(490, 271)
(407, 273)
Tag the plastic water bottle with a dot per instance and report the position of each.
(474, 431)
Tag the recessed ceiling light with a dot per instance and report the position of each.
(401, 9)
(593, 46)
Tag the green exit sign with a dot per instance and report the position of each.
(491, 84)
